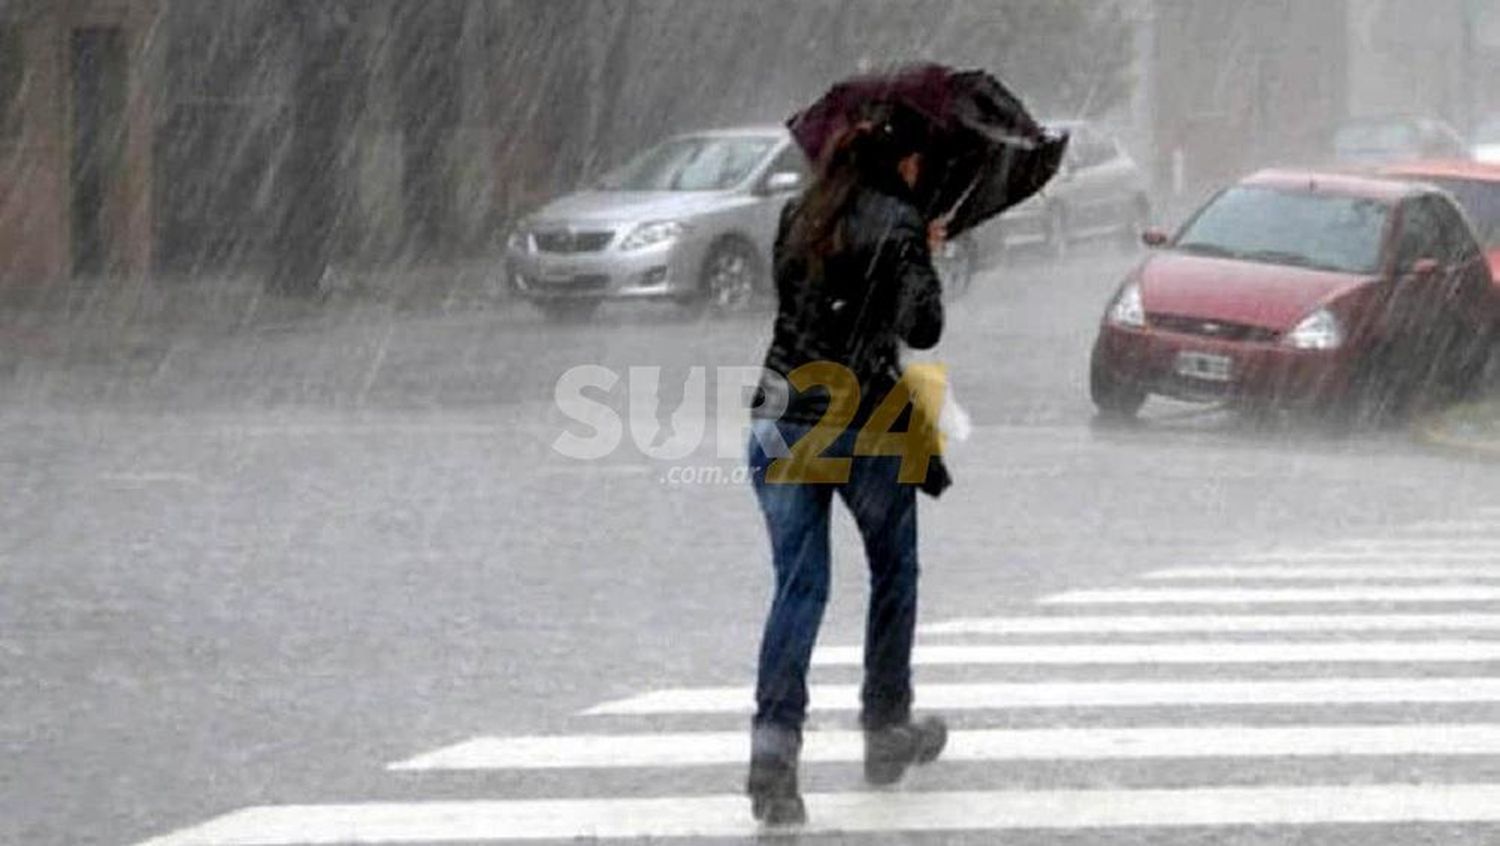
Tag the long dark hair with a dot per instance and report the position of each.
(865, 154)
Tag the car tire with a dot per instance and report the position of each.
(956, 263)
(1381, 392)
(730, 281)
(1058, 237)
(1488, 378)
(1115, 398)
(1472, 364)
(568, 311)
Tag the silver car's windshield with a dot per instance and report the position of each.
(690, 164)
(1319, 231)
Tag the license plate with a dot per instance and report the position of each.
(556, 278)
(1206, 366)
(556, 272)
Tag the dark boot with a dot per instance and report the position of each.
(774, 797)
(890, 750)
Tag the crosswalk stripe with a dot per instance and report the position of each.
(487, 821)
(1109, 694)
(1334, 594)
(603, 751)
(1377, 554)
(1394, 573)
(1212, 623)
(1382, 652)
(1452, 527)
(1491, 544)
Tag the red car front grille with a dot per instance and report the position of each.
(1219, 329)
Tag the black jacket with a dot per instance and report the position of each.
(879, 292)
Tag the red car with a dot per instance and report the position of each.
(1299, 289)
(1475, 185)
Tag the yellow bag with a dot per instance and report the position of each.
(923, 390)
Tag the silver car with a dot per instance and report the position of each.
(689, 221)
(1098, 191)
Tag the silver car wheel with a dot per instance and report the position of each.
(730, 280)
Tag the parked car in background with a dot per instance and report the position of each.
(1486, 141)
(1390, 138)
(1333, 292)
(1476, 187)
(1098, 191)
(689, 221)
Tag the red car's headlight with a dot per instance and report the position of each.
(1317, 331)
(1128, 310)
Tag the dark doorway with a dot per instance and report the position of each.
(99, 69)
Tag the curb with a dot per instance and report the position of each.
(1443, 430)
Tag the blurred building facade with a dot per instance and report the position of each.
(1230, 85)
(281, 135)
(198, 136)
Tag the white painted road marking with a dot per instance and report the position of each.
(1211, 623)
(1395, 573)
(1248, 596)
(1489, 544)
(1359, 569)
(1378, 554)
(1227, 652)
(1453, 527)
(1068, 744)
(728, 816)
(1116, 694)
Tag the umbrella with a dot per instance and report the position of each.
(986, 152)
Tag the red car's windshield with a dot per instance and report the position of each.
(1481, 202)
(1299, 228)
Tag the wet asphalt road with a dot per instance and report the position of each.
(257, 569)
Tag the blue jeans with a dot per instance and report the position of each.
(797, 516)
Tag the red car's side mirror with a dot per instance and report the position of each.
(1155, 238)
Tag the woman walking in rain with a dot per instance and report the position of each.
(855, 282)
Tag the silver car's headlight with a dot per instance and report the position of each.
(651, 234)
(519, 240)
(1317, 331)
(1128, 310)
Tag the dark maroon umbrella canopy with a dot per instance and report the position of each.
(986, 152)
